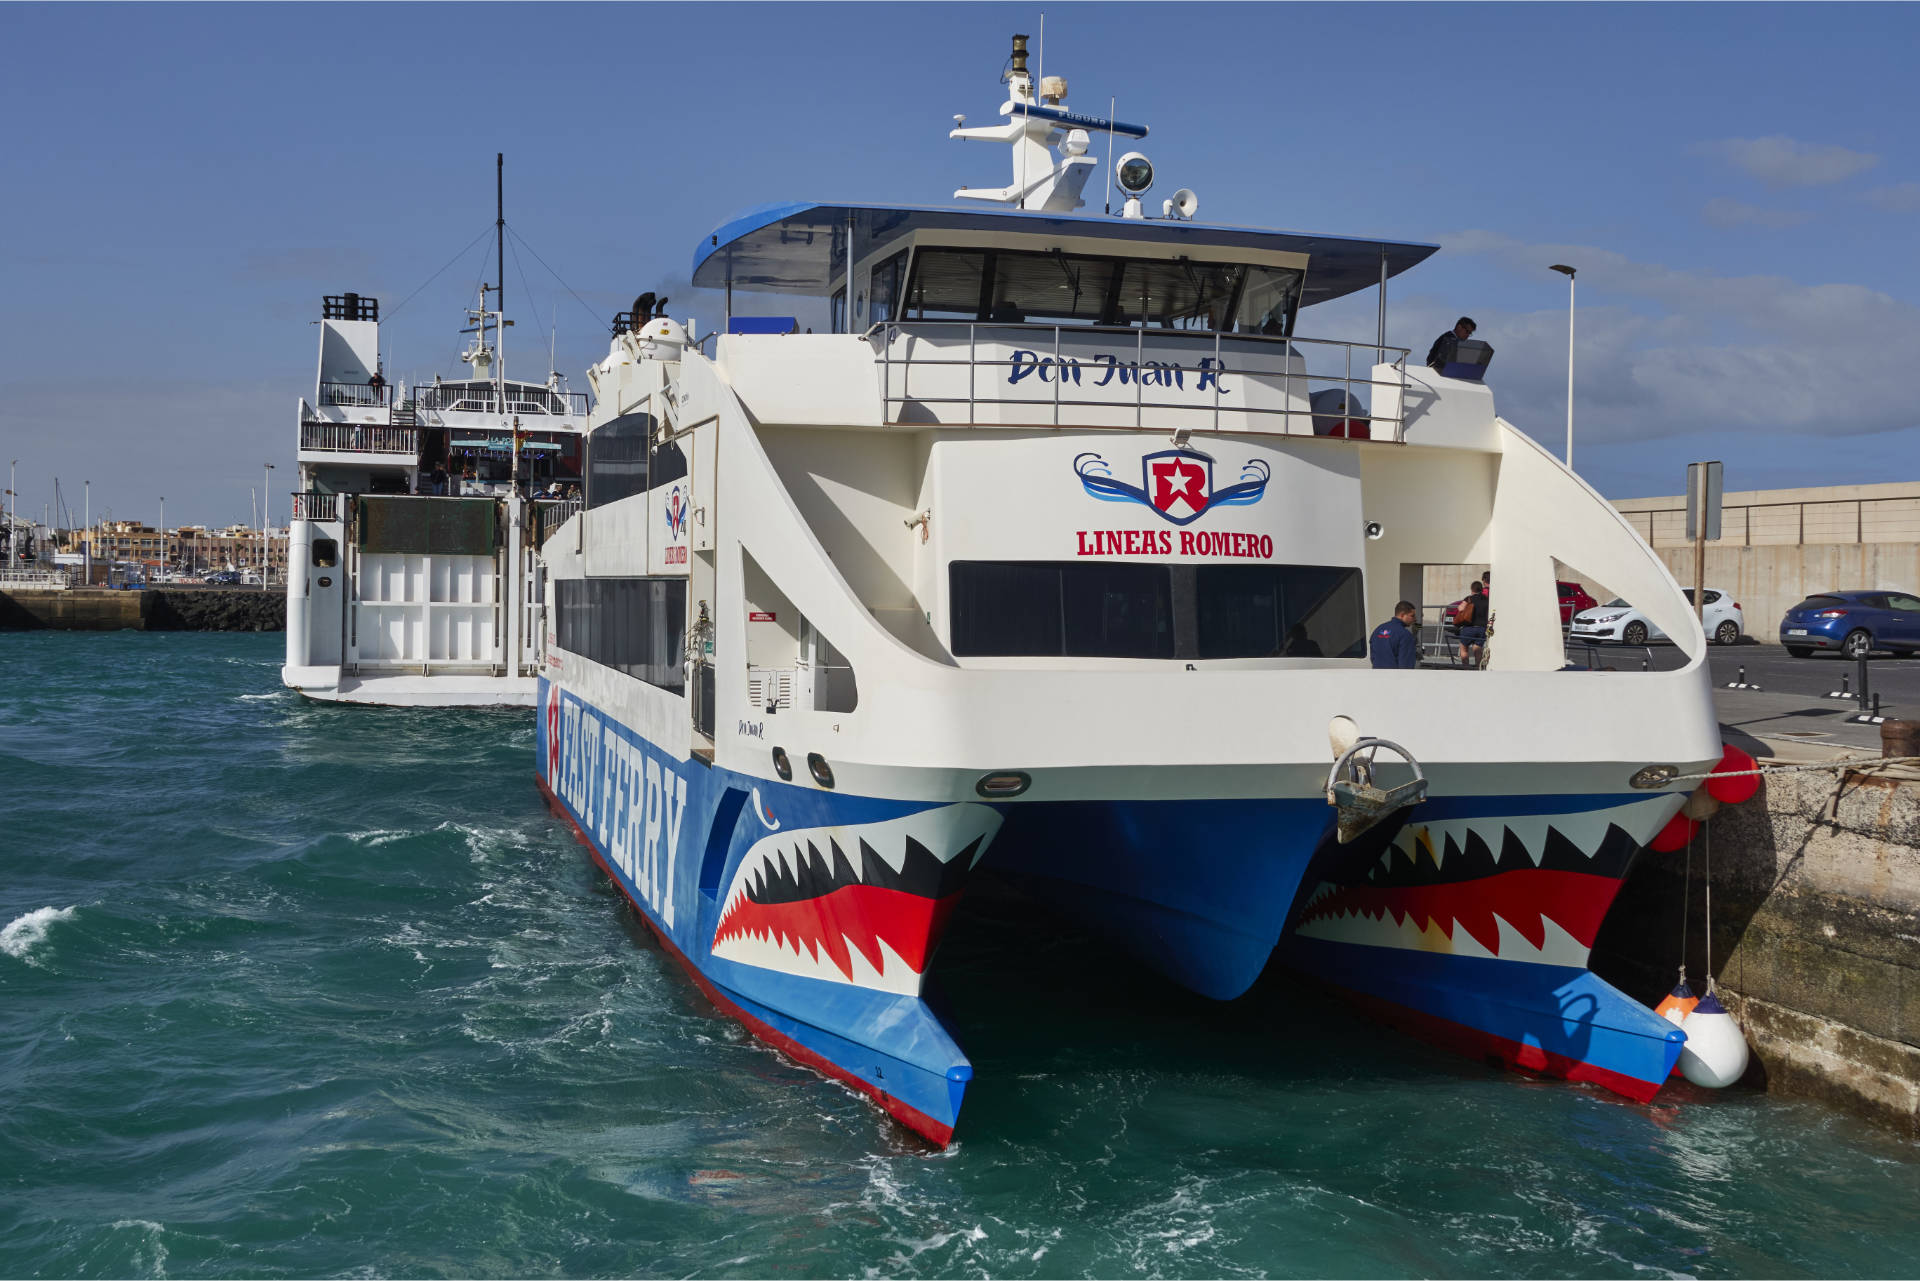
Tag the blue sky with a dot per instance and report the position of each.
(1740, 186)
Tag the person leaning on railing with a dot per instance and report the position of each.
(1440, 355)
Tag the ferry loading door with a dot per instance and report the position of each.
(326, 596)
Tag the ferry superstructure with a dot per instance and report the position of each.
(1054, 557)
(412, 559)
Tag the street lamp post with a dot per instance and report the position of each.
(1568, 273)
(266, 544)
(163, 533)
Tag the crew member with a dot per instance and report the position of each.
(1393, 643)
(1440, 355)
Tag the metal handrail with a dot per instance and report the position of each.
(883, 333)
(362, 395)
(310, 506)
(360, 438)
(488, 401)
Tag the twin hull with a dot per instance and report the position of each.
(811, 915)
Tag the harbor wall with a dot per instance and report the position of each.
(1816, 935)
(104, 609)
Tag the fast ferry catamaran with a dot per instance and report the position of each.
(412, 558)
(1055, 556)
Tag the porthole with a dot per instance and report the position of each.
(821, 771)
(781, 765)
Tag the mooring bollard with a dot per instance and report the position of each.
(1899, 738)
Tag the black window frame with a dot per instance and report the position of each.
(1026, 609)
(636, 626)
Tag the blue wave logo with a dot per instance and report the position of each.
(1176, 483)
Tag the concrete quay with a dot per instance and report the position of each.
(100, 609)
(1816, 934)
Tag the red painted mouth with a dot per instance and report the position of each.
(1575, 901)
(852, 918)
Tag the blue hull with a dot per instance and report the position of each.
(811, 915)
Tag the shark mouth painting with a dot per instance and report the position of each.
(1530, 888)
(862, 904)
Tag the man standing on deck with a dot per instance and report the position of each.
(1440, 355)
(1393, 643)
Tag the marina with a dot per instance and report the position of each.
(1006, 708)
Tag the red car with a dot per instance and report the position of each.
(1573, 599)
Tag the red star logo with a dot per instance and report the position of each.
(1179, 481)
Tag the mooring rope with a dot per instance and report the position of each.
(1686, 900)
(1706, 883)
(1855, 764)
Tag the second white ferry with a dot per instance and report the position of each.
(413, 575)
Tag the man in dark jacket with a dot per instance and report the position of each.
(1393, 643)
(1440, 355)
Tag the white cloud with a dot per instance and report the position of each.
(1901, 197)
(1662, 351)
(1780, 161)
(1725, 213)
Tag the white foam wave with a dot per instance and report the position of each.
(154, 1264)
(24, 932)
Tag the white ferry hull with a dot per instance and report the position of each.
(326, 685)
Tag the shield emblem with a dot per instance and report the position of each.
(1179, 483)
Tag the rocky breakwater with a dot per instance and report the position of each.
(156, 609)
(1815, 937)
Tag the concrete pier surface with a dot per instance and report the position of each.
(1816, 932)
(97, 609)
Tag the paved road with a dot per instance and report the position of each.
(1789, 703)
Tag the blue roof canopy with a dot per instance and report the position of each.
(788, 248)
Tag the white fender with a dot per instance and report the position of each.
(1716, 1053)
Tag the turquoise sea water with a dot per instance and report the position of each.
(290, 990)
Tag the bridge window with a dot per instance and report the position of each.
(634, 625)
(622, 460)
(884, 289)
(1073, 609)
(1033, 287)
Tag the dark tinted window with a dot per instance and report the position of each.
(1127, 610)
(1028, 286)
(1118, 610)
(326, 553)
(1268, 611)
(883, 291)
(1820, 602)
(617, 459)
(1006, 608)
(633, 625)
(948, 284)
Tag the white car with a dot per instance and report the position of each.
(1619, 621)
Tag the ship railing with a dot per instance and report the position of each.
(316, 506)
(360, 438)
(551, 513)
(37, 579)
(488, 401)
(357, 395)
(1048, 350)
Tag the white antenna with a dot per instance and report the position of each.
(553, 339)
(1040, 53)
(1113, 105)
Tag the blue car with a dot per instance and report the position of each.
(1853, 624)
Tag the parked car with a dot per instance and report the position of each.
(1619, 621)
(1573, 599)
(1855, 623)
